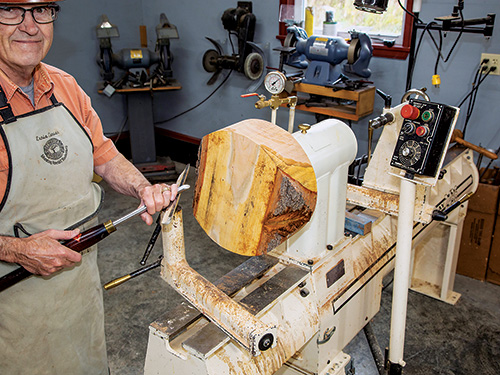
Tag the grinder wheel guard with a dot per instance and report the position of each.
(256, 187)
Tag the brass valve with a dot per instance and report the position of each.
(275, 102)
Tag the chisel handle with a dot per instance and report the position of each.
(90, 237)
(79, 243)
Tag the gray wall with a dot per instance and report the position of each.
(75, 49)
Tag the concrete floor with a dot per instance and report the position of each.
(440, 338)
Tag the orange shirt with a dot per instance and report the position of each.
(49, 80)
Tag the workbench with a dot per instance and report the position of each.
(141, 125)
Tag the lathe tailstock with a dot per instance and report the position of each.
(316, 290)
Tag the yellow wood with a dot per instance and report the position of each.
(255, 187)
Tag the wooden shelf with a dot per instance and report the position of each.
(363, 98)
(173, 85)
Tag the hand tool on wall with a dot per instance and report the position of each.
(81, 242)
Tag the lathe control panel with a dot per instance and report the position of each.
(424, 137)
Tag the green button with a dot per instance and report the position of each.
(427, 116)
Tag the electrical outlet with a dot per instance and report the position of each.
(493, 60)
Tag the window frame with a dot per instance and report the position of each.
(398, 51)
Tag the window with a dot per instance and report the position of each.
(394, 24)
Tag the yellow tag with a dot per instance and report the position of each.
(136, 54)
(321, 40)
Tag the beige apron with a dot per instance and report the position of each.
(51, 325)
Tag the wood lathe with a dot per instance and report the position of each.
(309, 286)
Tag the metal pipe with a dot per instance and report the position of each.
(273, 115)
(378, 357)
(402, 272)
(227, 314)
(291, 118)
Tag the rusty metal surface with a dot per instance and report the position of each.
(273, 288)
(300, 323)
(177, 319)
(205, 341)
(389, 202)
(227, 314)
(209, 338)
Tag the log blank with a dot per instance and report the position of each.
(255, 187)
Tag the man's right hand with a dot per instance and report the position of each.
(41, 253)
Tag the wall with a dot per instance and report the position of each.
(76, 46)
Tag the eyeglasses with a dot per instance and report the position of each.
(41, 14)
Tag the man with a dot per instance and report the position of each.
(51, 143)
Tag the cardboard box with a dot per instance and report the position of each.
(493, 271)
(477, 234)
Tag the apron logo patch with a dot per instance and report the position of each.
(54, 151)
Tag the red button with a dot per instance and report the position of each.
(422, 130)
(410, 112)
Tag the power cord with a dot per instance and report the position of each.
(197, 105)
(208, 97)
(436, 80)
(119, 133)
(472, 95)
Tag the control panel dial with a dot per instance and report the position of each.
(410, 153)
(408, 128)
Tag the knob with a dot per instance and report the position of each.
(410, 112)
(422, 131)
(304, 128)
(408, 128)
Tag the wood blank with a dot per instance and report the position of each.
(255, 188)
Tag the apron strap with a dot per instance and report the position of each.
(5, 108)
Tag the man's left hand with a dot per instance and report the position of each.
(155, 198)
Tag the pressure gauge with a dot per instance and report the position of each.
(275, 82)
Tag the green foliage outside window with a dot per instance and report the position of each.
(390, 23)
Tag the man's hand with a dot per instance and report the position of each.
(155, 198)
(126, 179)
(41, 253)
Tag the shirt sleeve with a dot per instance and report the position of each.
(78, 102)
(104, 148)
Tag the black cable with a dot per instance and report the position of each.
(472, 104)
(439, 52)
(231, 40)
(438, 47)
(458, 37)
(412, 68)
(475, 83)
(410, 13)
(197, 105)
(471, 91)
(472, 100)
(119, 131)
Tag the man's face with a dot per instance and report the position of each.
(23, 46)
